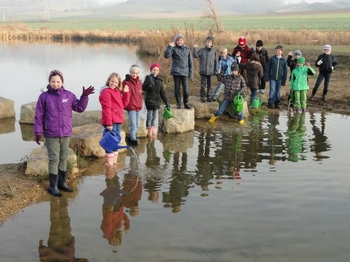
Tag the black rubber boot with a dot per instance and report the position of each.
(277, 105)
(62, 178)
(178, 101)
(53, 190)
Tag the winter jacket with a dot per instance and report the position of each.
(234, 84)
(113, 221)
(298, 80)
(245, 53)
(292, 63)
(207, 60)
(53, 112)
(264, 57)
(153, 87)
(276, 69)
(254, 73)
(329, 61)
(113, 102)
(182, 64)
(225, 64)
(135, 86)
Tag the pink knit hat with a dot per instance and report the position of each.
(153, 66)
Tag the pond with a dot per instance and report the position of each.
(273, 189)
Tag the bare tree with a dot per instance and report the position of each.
(212, 14)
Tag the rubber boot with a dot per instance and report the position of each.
(178, 101)
(154, 130)
(187, 106)
(109, 159)
(62, 178)
(115, 159)
(53, 190)
(149, 131)
(212, 119)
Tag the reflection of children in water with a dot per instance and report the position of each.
(296, 137)
(152, 178)
(275, 140)
(60, 245)
(204, 166)
(320, 142)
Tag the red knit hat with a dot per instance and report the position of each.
(153, 66)
(242, 41)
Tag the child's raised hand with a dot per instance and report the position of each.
(195, 45)
(126, 88)
(290, 53)
(88, 91)
(172, 44)
(308, 65)
(238, 53)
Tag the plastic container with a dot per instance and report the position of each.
(257, 103)
(167, 113)
(238, 102)
(110, 141)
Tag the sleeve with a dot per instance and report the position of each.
(190, 65)
(162, 93)
(126, 99)
(267, 70)
(318, 58)
(310, 71)
(105, 101)
(216, 64)
(261, 72)
(334, 62)
(79, 105)
(146, 84)
(39, 116)
(292, 79)
(267, 56)
(196, 52)
(285, 72)
(289, 60)
(243, 86)
(168, 51)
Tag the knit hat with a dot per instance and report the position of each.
(179, 36)
(56, 72)
(297, 52)
(134, 67)
(234, 67)
(279, 47)
(327, 47)
(242, 41)
(210, 38)
(259, 43)
(301, 60)
(153, 66)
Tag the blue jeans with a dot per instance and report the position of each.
(223, 107)
(253, 92)
(218, 90)
(151, 118)
(134, 119)
(321, 76)
(275, 89)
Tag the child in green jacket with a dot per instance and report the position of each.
(299, 84)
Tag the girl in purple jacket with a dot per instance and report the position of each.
(53, 120)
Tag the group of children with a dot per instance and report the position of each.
(245, 67)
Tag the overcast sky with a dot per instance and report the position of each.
(288, 1)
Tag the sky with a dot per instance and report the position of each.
(288, 1)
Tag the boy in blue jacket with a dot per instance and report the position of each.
(276, 73)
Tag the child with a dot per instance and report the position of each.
(264, 58)
(113, 99)
(134, 107)
(243, 51)
(53, 119)
(234, 84)
(255, 72)
(207, 66)
(326, 64)
(225, 62)
(181, 68)
(292, 63)
(299, 84)
(276, 73)
(153, 87)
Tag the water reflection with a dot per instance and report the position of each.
(7, 125)
(320, 142)
(296, 138)
(61, 243)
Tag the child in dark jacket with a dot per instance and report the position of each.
(207, 66)
(181, 68)
(243, 52)
(154, 90)
(327, 63)
(53, 119)
(234, 85)
(264, 58)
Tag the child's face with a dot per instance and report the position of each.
(224, 53)
(56, 82)
(208, 43)
(113, 82)
(299, 64)
(259, 48)
(234, 72)
(155, 71)
(134, 73)
(278, 52)
(180, 41)
(327, 51)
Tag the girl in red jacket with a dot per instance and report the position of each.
(113, 99)
(134, 83)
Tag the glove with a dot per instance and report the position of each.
(127, 77)
(319, 62)
(151, 78)
(37, 139)
(252, 50)
(88, 91)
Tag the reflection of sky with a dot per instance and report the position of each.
(24, 68)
